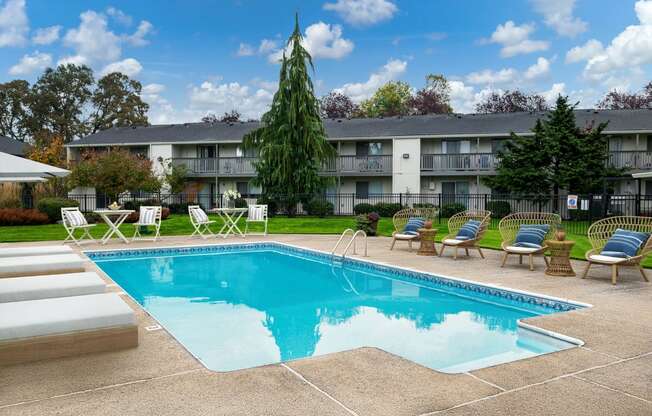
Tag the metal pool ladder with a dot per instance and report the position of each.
(354, 236)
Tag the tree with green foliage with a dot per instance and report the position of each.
(292, 141)
(392, 99)
(558, 156)
(114, 172)
(174, 175)
(13, 109)
(117, 103)
(434, 98)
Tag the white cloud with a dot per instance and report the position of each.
(628, 50)
(14, 24)
(558, 14)
(46, 35)
(557, 89)
(92, 40)
(72, 59)
(465, 97)
(160, 109)
(363, 90)
(138, 38)
(245, 49)
(363, 12)
(515, 40)
(267, 45)
(487, 76)
(31, 63)
(584, 52)
(216, 98)
(119, 16)
(539, 70)
(130, 67)
(321, 41)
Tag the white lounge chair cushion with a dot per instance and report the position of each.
(606, 259)
(401, 236)
(18, 289)
(39, 264)
(453, 242)
(33, 318)
(34, 251)
(521, 250)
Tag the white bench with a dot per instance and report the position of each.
(34, 251)
(37, 265)
(16, 289)
(50, 328)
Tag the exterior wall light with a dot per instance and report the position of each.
(406, 155)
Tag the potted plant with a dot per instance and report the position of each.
(368, 223)
(231, 196)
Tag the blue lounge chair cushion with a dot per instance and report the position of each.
(531, 235)
(468, 230)
(413, 225)
(624, 243)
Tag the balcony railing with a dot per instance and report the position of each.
(633, 160)
(381, 164)
(223, 166)
(478, 162)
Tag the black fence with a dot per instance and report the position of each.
(577, 211)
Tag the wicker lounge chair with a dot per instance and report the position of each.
(600, 232)
(456, 222)
(402, 217)
(509, 227)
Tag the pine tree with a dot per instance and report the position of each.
(292, 143)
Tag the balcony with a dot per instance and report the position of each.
(220, 166)
(631, 160)
(459, 164)
(359, 165)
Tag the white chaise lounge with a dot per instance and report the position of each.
(61, 327)
(34, 251)
(38, 265)
(17, 289)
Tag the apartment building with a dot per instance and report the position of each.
(447, 154)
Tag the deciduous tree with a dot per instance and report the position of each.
(616, 100)
(337, 105)
(392, 99)
(13, 109)
(116, 103)
(511, 102)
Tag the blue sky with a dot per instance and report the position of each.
(201, 56)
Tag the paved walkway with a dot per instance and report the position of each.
(610, 375)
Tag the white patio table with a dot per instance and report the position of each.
(113, 218)
(230, 216)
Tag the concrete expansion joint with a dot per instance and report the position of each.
(604, 386)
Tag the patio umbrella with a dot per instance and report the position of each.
(18, 169)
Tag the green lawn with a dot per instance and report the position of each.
(180, 225)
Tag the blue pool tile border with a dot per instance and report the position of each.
(510, 295)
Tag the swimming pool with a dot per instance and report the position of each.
(245, 305)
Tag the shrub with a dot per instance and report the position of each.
(52, 207)
(319, 207)
(448, 210)
(423, 205)
(272, 205)
(179, 207)
(92, 218)
(363, 208)
(387, 209)
(10, 202)
(21, 216)
(499, 209)
(241, 203)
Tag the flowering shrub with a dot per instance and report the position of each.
(232, 195)
(20, 216)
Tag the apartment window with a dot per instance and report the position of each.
(454, 147)
(455, 188)
(362, 190)
(649, 144)
(206, 152)
(616, 144)
(368, 149)
(241, 152)
(375, 187)
(139, 151)
(242, 187)
(497, 146)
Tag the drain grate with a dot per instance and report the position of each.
(153, 328)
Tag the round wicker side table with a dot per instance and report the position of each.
(427, 246)
(559, 263)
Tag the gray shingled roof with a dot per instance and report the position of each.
(13, 147)
(420, 126)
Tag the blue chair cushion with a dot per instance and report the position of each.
(531, 235)
(413, 225)
(469, 230)
(624, 243)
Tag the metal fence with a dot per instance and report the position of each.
(588, 208)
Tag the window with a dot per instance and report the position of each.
(375, 187)
(240, 152)
(497, 146)
(206, 152)
(362, 190)
(616, 144)
(649, 144)
(454, 147)
(242, 187)
(368, 149)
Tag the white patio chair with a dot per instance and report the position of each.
(73, 220)
(200, 222)
(149, 216)
(256, 214)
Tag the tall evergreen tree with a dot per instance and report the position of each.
(292, 142)
(558, 156)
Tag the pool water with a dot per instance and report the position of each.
(252, 305)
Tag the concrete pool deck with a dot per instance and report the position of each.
(610, 375)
